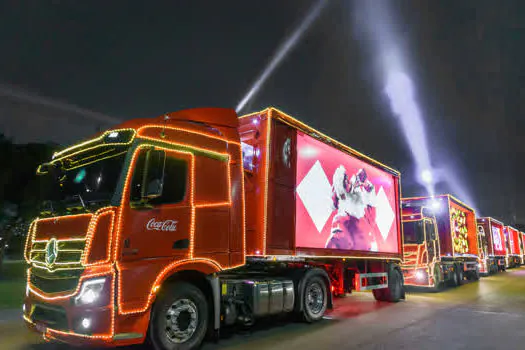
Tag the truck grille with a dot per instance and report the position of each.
(54, 285)
(69, 253)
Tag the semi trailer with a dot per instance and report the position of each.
(514, 254)
(491, 233)
(440, 239)
(522, 246)
(168, 229)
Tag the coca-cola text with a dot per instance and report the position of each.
(166, 225)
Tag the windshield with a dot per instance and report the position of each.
(86, 182)
(413, 231)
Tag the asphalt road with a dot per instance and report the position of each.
(489, 314)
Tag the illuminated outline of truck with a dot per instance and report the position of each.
(108, 275)
(432, 252)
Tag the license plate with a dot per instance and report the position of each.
(40, 327)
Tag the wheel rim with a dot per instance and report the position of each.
(181, 321)
(315, 298)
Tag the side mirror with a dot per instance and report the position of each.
(154, 174)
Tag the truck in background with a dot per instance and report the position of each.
(173, 227)
(522, 246)
(440, 239)
(514, 254)
(491, 231)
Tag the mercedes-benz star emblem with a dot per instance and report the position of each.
(51, 252)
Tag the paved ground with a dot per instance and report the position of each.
(489, 314)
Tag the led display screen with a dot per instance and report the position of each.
(498, 239)
(342, 202)
(514, 242)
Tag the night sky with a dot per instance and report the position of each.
(70, 67)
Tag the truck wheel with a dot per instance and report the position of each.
(454, 279)
(180, 318)
(461, 276)
(315, 299)
(394, 292)
(437, 281)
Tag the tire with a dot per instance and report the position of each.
(475, 275)
(394, 292)
(454, 279)
(189, 305)
(439, 285)
(461, 276)
(315, 299)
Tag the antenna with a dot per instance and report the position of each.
(163, 132)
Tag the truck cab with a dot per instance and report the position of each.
(440, 240)
(122, 219)
(421, 241)
(487, 260)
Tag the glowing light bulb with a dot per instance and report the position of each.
(86, 323)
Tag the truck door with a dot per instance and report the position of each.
(431, 239)
(156, 221)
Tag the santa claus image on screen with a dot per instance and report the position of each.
(353, 226)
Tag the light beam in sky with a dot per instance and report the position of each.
(282, 51)
(375, 21)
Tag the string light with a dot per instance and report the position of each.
(267, 177)
(90, 236)
(63, 296)
(243, 213)
(200, 133)
(29, 240)
(168, 270)
(100, 138)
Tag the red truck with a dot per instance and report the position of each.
(522, 246)
(440, 239)
(171, 228)
(492, 244)
(514, 254)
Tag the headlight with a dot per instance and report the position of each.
(420, 275)
(90, 292)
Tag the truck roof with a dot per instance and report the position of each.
(491, 219)
(277, 114)
(446, 196)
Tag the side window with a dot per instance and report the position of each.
(430, 229)
(165, 172)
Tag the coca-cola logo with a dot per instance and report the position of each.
(166, 225)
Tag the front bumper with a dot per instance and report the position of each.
(56, 316)
(417, 277)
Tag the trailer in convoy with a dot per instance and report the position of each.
(440, 239)
(514, 254)
(491, 233)
(522, 246)
(173, 227)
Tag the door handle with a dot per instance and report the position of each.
(127, 250)
(130, 252)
